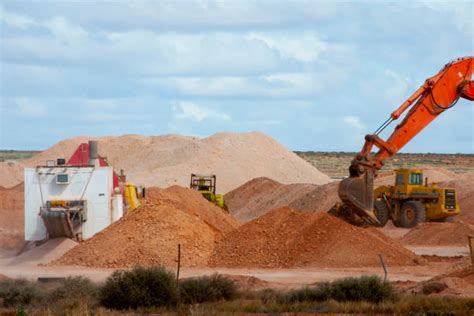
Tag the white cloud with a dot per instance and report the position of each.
(354, 122)
(197, 113)
(104, 104)
(188, 14)
(29, 108)
(462, 11)
(63, 30)
(15, 20)
(305, 47)
(275, 85)
(59, 27)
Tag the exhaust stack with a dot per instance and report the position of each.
(94, 153)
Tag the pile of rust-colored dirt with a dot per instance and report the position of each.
(3, 278)
(193, 203)
(459, 282)
(11, 217)
(439, 234)
(260, 195)
(286, 238)
(151, 234)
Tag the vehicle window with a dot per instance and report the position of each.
(416, 178)
(400, 179)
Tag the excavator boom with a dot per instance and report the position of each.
(435, 96)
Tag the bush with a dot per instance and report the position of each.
(74, 287)
(206, 289)
(73, 291)
(18, 293)
(318, 294)
(365, 288)
(140, 287)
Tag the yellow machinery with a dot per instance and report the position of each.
(132, 196)
(206, 185)
(410, 201)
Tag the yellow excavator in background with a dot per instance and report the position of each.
(131, 193)
(206, 185)
(132, 196)
(435, 96)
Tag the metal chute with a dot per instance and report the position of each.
(64, 218)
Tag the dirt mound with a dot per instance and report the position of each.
(11, 214)
(43, 253)
(321, 198)
(4, 278)
(439, 234)
(151, 234)
(11, 174)
(258, 196)
(250, 191)
(170, 159)
(193, 203)
(456, 283)
(286, 238)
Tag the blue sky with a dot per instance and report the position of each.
(315, 75)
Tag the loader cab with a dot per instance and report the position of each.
(206, 185)
(203, 183)
(407, 180)
(408, 177)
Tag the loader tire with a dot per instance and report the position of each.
(381, 212)
(411, 213)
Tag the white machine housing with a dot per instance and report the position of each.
(90, 183)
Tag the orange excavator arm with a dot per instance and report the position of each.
(435, 96)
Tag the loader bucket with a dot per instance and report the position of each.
(357, 194)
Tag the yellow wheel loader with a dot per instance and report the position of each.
(132, 196)
(206, 185)
(409, 201)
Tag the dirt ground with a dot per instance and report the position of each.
(32, 267)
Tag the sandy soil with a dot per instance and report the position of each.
(276, 277)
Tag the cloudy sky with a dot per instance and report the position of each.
(315, 75)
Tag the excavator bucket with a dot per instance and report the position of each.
(357, 194)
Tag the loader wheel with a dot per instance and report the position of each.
(412, 212)
(381, 212)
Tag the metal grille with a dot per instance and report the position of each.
(450, 199)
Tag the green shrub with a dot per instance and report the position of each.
(74, 287)
(206, 289)
(364, 288)
(73, 292)
(318, 294)
(140, 287)
(18, 293)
